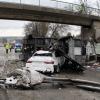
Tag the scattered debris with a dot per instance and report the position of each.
(93, 66)
(30, 78)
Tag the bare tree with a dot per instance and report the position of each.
(28, 29)
(37, 29)
(83, 6)
(98, 6)
(57, 29)
(41, 29)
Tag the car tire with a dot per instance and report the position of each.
(56, 68)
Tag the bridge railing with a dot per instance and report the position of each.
(77, 8)
(56, 4)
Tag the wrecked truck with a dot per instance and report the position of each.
(55, 59)
(61, 49)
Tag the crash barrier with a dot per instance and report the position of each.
(87, 85)
(85, 82)
(74, 81)
(79, 83)
(90, 88)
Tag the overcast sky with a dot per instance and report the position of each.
(16, 28)
(12, 28)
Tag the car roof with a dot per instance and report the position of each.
(42, 51)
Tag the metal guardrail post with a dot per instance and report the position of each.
(72, 7)
(20, 1)
(39, 2)
(56, 3)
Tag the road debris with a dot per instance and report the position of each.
(30, 78)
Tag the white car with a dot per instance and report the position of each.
(45, 61)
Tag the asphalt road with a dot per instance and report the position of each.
(6, 57)
(48, 91)
(10, 56)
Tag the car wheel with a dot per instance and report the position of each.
(56, 69)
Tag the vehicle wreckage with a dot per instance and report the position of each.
(61, 48)
(29, 78)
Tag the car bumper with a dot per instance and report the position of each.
(45, 68)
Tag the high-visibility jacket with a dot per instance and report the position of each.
(10, 45)
(7, 45)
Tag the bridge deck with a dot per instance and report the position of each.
(17, 11)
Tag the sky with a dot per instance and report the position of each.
(12, 28)
(16, 28)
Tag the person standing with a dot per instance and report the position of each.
(7, 47)
(10, 47)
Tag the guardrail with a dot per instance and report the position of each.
(56, 4)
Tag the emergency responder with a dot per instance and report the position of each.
(10, 47)
(7, 47)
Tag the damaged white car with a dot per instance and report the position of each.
(45, 61)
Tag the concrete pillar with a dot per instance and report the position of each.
(87, 32)
(96, 26)
(93, 31)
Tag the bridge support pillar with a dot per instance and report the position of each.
(87, 32)
(96, 27)
(93, 31)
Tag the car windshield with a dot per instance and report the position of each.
(43, 54)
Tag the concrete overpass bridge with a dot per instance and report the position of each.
(89, 21)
